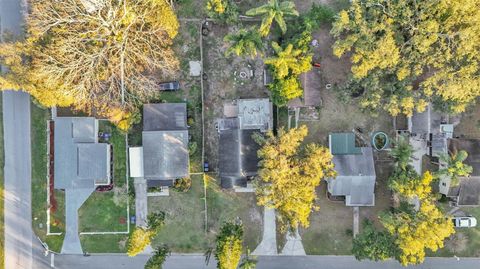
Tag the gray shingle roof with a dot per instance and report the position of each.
(79, 161)
(355, 178)
(237, 157)
(165, 117)
(165, 154)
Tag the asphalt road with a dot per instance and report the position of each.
(265, 262)
(18, 216)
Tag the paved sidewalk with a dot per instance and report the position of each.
(268, 246)
(293, 246)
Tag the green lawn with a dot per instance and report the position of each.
(39, 118)
(2, 163)
(327, 234)
(111, 243)
(107, 211)
(184, 228)
(226, 205)
(57, 217)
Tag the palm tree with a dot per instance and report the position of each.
(274, 10)
(288, 60)
(244, 42)
(455, 167)
(402, 152)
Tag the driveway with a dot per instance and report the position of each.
(18, 210)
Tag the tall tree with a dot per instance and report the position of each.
(416, 231)
(288, 61)
(158, 258)
(409, 184)
(274, 10)
(244, 43)
(402, 152)
(287, 64)
(407, 53)
(289, 174)
(455, 167)
(228, 249)
(110, 56)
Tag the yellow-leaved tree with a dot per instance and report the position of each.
(228, 249)
(289, 174)
(416, 231)
(138, 241)
(105, 56)
(408, 53)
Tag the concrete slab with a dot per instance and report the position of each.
(268, 245)
(356, 213)
(141, 209)
(195, 68)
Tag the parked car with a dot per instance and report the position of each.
(170, 86)
(464, 222)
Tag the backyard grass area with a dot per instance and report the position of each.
(107, 211)
(39, 118)
(330, 227)
(184, 229)
(225, 205)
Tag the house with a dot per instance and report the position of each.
(79, 160)
(238, 160)
(355, 168)
(467, 193)
(432, 129)
(164, 156)
(80, 165)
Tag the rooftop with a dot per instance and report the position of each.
(238, 157)
(343, 143)
(165, 154)
(355, 171)
(165, 117)
(79, 160)
(255, 114)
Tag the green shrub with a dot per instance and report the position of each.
(182, 184)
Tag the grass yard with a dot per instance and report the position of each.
(39, 118)
(226, 205)
(107, 211)
(57, 217)
(2, 164)
(327, 234)
(111, 243)
(184, 224)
